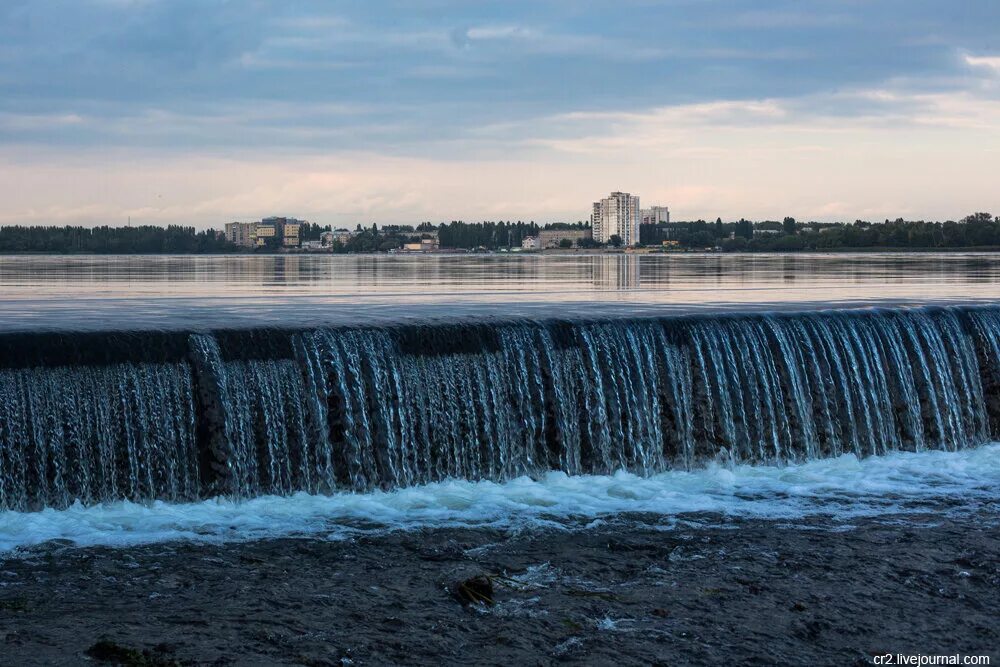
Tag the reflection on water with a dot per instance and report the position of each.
(156, 290)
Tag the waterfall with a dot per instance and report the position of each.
(96, 433)
(177, 416)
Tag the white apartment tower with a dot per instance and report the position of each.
(617, 215)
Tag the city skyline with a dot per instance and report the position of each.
(202, 113)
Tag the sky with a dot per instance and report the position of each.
(201, 112)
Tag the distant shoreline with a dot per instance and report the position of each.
(527, 253)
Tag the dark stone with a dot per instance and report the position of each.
(475, 590)
(111, 652)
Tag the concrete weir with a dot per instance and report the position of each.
(177, 416)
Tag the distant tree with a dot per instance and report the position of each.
(565, 243)
(615, 241)
(700, 239)
(734, 244)
(788, 226)
(489, 235)
(310, 231)
(978, 218)
(144, 239)
(719, 231)
(588, 243)
(744, 228)
(650, 234)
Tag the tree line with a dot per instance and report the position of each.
(144, 239)
(489, 235)
(979, 230)
(456, 234)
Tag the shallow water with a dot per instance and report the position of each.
(842, 488)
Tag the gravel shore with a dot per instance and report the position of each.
(633, 590)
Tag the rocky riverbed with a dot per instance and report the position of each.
(632, 590)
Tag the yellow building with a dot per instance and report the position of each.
(424, 245)
(262, 233)
(291, 238)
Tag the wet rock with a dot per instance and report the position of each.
(607, 596)
(113, 653)
(753, 587)
(808, 630)
(14, 604)
(443, 553)
(475, 590)
(573, 646)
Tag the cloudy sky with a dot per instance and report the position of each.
(202, 112)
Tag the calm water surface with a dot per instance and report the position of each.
(96, 292)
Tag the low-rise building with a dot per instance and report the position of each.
(531, 243)
(273, 231)
(423, 245)
(552, 238)
(341, 236)
(286, 231)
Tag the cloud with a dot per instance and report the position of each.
(666, 95)
(11, 122)
(769, 19)
(986, 62)
(499, 32)
(912, 154)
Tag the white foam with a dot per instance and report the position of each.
(844, 487)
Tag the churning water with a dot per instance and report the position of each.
(845, 487)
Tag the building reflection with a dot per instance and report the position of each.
(616, 272)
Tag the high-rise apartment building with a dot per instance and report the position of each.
(617, 215)
(241, 233)
(654, 215)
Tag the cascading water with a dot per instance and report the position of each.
(95, 433)
(183, 416)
